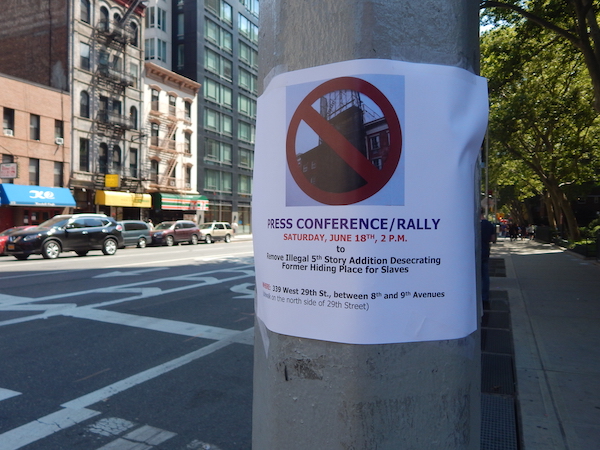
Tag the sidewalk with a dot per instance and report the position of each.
(554, 303)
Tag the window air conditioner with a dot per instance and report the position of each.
(172, 183)
(8, 132)
(59, 141)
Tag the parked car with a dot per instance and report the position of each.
(136, 232)
(175, 232)
(5, 233)
(215, 231)
(78, 233)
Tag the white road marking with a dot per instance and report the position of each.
(152, 323)
(75, 411)
(243, 289)
(122, 385)
(131, 273)
(122, 444)
(7, 393)
(43, 427)
(149, 435)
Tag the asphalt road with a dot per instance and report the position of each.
(147, 349)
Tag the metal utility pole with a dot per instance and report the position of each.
(311, 394)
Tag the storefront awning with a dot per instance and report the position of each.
(127, 199)
(173, 202)
(24, 195)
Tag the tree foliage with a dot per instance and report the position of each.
(573, 21)
(543, 127)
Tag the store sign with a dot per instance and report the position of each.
(8, 170)
(364, 209)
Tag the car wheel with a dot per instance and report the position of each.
(194, 240)
(208, 239)
(109, 247)
(83, 253)
(50, 250)
(141, 242)
(170, 241)
(227, 238)
(21, 257)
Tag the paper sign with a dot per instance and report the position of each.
(364, 202)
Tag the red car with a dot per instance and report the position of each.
(174, 232)
(5, 233)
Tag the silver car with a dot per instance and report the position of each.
(215, 231)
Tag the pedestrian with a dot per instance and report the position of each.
(488, 235)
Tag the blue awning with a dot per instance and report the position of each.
(23, 195)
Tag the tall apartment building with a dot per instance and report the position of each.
(170, 117)
(93, 50)
(215, 42)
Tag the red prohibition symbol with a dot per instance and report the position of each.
(348, 175)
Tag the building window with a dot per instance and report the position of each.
(245, 158)
(248, 54)
(246, 132)
(217, 181)
(217, 152)
(154, 96)
(84, 104)
(154, 171)
(247, 80)
(187, 143)
(58, 174)
(134, 34)
(217, 64)
(218, 93)
(34, 127)
(104, 22)
(84, 6)
(154, 134)
(188, 111)
(161, 53)
(244, 184)
(133, 71)
(374, 142)
(84, 53)
(9, 122)
(116, 159)
(34, 171)
(180, 25)
(246, 106)
(59, 129)
(84, 155)
(155, 49)
(247, 28)
(133, 117)
(148, 49)
(188, 177)
(172, 105)
(180, 56)
(133, 162)
(103, 158)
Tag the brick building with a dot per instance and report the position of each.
(35, 152)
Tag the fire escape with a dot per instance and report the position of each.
(111, 39)
(164, 147)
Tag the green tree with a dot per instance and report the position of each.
(543, 127)
(574, 21)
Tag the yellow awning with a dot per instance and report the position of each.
(115, 198)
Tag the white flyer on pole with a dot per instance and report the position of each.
(363, 202)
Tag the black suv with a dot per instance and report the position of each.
(78, 233)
